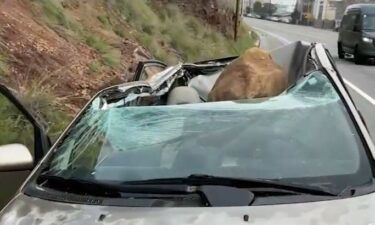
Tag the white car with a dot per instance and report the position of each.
(286, 19)
(154, 152)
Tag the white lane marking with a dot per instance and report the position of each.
(282, 39)
(360, 92)
(351, 85)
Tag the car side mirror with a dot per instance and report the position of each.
(15, 157)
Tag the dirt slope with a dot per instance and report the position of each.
(210, 11)
(34, 51)
(38, 53)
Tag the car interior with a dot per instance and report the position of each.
(292, 58)
(198, 79)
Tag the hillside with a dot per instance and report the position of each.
(56, 53)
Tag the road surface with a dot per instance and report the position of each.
(360, 79)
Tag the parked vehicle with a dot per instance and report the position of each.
(357, 32)
(253, 15)
(286, 19)
(273, 18)
(153, 151)
(249, 15)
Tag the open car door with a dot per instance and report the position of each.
(23, 143)
(147, 69)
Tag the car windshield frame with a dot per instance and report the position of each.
(204, 171)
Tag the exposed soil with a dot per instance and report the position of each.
(39, 52)
(207, 10)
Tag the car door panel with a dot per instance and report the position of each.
(347, 32)
(357, 31)
(343, 31)
(9, 183)
(18, 126)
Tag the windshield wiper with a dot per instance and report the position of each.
(202, 179)
(105, 189)
(211, 195)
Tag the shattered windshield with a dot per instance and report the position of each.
(304, 133)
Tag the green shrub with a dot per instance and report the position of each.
(195, 26)
(189, 36)
(173, 11)
(54, 13)
(41, 100)
(110, 56)
(138, 13)
(119, 30)
(104, 20)
(14, 126)
(97, 43)
(94, 66)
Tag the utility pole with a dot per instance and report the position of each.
(269, 8)
(237, 19)
(301, 6)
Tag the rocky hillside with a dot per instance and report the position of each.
(56, 53)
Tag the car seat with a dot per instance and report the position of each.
(183, 95)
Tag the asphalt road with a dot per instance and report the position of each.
(360, 79)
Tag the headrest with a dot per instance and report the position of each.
(183, 95)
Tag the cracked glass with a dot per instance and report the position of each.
(305, 133)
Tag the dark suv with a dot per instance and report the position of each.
(357, 32)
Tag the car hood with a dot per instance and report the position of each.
(31, 211)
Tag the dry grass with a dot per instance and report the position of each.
(3, 64)
(163, 28)
(55, 15)
(38, 96)
(227, 4)
(14, 126)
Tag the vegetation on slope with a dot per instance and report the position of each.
(162, 28)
